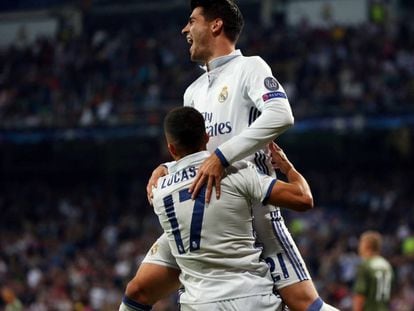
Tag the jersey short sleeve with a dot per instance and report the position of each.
(251, 182)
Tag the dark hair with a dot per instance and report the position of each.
(227, 10)
(186, 128)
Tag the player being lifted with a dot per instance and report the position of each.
(244, 108)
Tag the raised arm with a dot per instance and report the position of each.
(294, 194)
(274, 120)
(260, 88)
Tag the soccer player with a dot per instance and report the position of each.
(372, 288)
(213, 243)
(244, 108)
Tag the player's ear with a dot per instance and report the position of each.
(217, 26)
(172, 150)
(206, 138)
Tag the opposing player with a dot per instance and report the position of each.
(244, 108)
(372, 288)
(214, 244)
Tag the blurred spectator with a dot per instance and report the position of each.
(113, 77)
(76, 246)
(10, 299)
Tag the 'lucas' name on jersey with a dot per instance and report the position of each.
(185, 174)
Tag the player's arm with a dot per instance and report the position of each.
(294, 194)
(276, 117)
(273, 121)
(360, 289)
(156, 278)
(151, 283)
(160, 171)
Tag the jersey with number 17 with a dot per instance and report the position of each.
(214, 244)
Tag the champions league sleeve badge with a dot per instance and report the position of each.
(271, 84)
(223, 94)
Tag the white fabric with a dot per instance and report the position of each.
(267, 302)
(326, 307)
(160, 254)
(230, 96)
(233, 96)
(123, 307)
(279, 249)
(227, 264)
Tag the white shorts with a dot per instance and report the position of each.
(268, 302)
(279, 249)
(160, 254)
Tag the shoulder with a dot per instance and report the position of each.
(238, 178)
(200, 80)
(192, 89)
(380, 263)
(242, 171)
(252, 67)
(239, 166)
(252, 62)
(159, 192)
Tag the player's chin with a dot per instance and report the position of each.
(196, 58)
(193, 56)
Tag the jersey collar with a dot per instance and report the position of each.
(221, 60)
(190, 160)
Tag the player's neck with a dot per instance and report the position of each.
(181, 155)
(220, 50)
(370, 254)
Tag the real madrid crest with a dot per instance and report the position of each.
(223, 94)
(154, 248)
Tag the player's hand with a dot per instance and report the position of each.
(160, 171)
(210, 172)
(279, 158)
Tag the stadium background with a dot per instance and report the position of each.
(83, 89)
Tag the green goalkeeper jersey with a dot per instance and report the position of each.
(374, 278)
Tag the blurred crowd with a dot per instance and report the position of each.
(74, 246)
(112, 76)
(347, 204)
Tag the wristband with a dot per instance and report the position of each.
(221, 157)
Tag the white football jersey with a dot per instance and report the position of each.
(214, 244)
(244, 108)
(234, 93)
